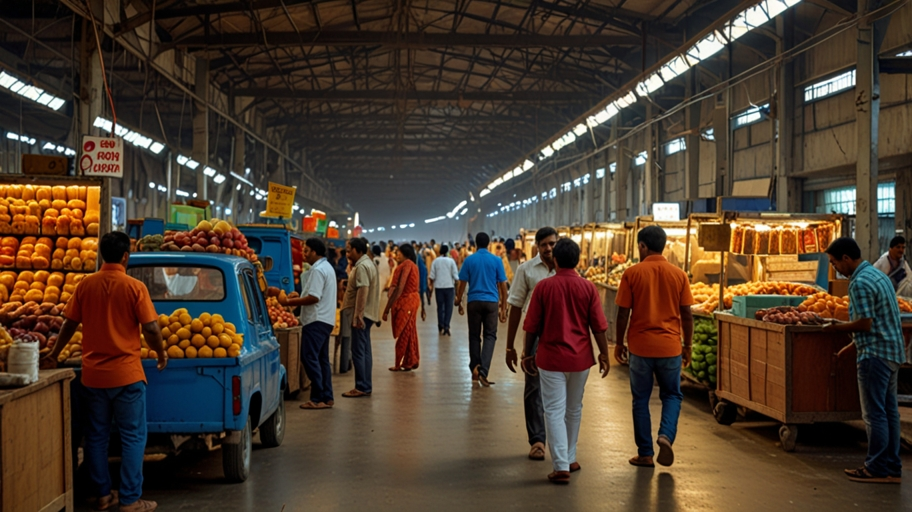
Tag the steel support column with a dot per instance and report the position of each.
(201, 126)
(867, 113)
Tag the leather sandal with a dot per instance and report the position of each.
(642, 461)
(537, 452)
(107, 502)
(315, 405)
(559, 477)
(574, 467)
(355, 394)
(139, 506)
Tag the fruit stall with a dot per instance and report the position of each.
(288, 333)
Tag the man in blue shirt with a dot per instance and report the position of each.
(877, 331)
(422, 275)
(484, 274)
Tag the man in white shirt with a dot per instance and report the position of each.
(527, 277)
(318, 318)
(895, 266)
(443, 277)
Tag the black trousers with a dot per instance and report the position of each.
(482, 315)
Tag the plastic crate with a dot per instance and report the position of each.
(746, 306)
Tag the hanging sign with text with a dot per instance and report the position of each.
(280, 200)
(102, 156)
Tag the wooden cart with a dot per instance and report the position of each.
(787, 372)
(290, 355)
(36, 471)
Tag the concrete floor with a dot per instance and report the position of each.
(429, 440)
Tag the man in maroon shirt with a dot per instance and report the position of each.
(564, 308)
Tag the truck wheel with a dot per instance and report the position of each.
(236, 457)
(272, 432)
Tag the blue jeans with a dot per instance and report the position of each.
(362, 357)
(125, 405)
(667, 371)
(445, 298)
(315, 356)
(877, 388)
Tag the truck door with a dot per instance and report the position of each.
(265, 339)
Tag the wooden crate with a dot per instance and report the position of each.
(789, 373)
(290, 355)
(36, 471)
(608, 294)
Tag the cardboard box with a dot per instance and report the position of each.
(746, 306)
(839, 287)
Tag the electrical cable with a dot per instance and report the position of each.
(104, 76)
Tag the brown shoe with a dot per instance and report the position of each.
(559, 477)
(475, 373)
(139, 506)
(642, 461)
(484, 381)
(107, 502)
(537, 452)
(666, 453)
(574, 467)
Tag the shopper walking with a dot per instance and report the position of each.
(360, 309)
(318, 318)
(422, 278)
(114, 309)
(528, 275)
(877, 331)
(654, 297)
(562, 312)
(429, 255)
(404, 303)
(484, 274)
(443, 277)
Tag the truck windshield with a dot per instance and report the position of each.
(196, 284)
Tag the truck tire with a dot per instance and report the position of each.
(236, 457)
(272, 431)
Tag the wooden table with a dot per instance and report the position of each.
(36, 471)
(290, 355)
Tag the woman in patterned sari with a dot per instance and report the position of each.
(404, 303)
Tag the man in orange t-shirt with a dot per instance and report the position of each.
(654, 296)
(113, 308)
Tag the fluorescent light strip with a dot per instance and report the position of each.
(31, 92)
(706, 47)
(135, 138)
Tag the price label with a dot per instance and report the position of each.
(102, 156)
(280, 200)
(666, 212)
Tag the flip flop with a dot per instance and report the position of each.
(315, 405)
(864, 476)
(642, 462)
(355, 394)
(537, 452)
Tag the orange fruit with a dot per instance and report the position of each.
(217, 319)
(180, 310)
(163, 320)
(184, 344)
(204, 352)
(173, 340)
(183, 333)
(237, 339)
(218, 328)
(224, 340)
(143, 353)
(190, 353)
(212, 341)
(196, 325)
(174, 319)
(230, 327)
(185, 318)
(206, 318)
(197, 340)
(175, 353)
(234, 351)
(166, 333)
(175, 326)
(153, 354)
(206, 332)
(220, 352)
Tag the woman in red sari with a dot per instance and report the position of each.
(404, 303)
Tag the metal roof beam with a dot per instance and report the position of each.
(409, 40)
(390, 95)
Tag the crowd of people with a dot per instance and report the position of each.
(562, 313)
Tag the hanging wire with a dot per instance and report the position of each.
(104, 76)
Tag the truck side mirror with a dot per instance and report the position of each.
(267, 263)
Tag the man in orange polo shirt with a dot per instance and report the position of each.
(658, 294)
(113, 308)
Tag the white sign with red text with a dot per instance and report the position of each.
(102, 156)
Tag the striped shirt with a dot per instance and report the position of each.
(871, 295)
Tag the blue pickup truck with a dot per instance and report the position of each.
(223, 400)
(280, 250)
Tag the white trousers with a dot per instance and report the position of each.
(562, 398)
